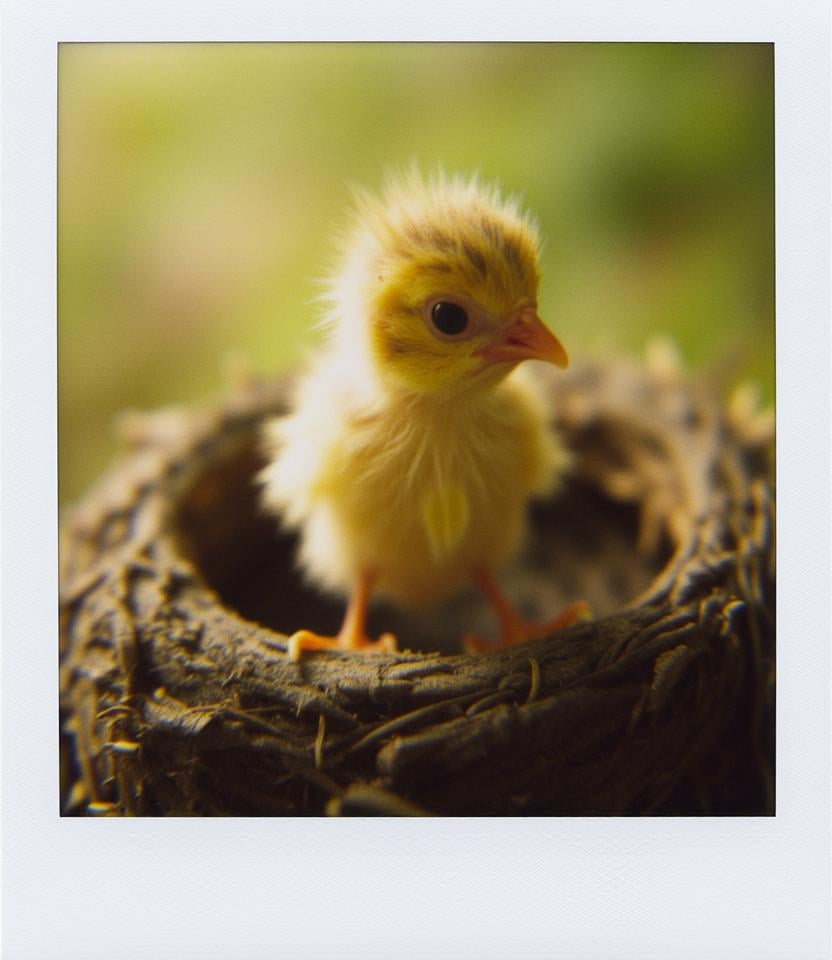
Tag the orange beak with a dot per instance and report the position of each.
(524, 337)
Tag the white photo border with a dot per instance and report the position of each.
(257, 888)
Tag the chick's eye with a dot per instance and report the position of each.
(449, 318)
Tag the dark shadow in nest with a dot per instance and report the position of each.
(580, 545)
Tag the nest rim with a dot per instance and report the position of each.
(395, 721)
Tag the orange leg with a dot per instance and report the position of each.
(352, 635)
(513, 629)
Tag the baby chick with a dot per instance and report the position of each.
(414, 444)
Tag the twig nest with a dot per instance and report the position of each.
(177, 594)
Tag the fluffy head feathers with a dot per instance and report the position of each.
(420, 242)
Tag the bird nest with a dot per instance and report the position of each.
(177, 594)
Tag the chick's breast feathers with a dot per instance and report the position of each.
(417, 493)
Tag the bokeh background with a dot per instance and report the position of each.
(200, 185)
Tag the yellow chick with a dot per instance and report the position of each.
(414, 444)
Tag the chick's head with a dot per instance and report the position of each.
(441, 281)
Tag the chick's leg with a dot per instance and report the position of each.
(352, 635)
(513, 628)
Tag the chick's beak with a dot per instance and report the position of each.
(525, 337)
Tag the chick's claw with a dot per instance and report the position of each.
(307, 640)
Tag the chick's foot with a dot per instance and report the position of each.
(307, 640)
(519, 630)
(513, 628)
(352, 636)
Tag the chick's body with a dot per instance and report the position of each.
(416, 490)
(413, 443)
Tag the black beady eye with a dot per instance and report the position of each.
(448, 317)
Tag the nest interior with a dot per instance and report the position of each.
(178, 593)
(589, 541)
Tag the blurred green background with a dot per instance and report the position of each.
(200, 184)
